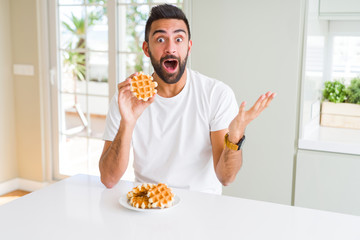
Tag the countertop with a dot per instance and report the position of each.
(80, 207)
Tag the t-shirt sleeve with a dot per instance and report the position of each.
(224, 107)
(112, 120)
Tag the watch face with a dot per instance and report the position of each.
(241, 142)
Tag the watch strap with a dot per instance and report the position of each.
(233, 146)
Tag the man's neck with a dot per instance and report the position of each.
(170, 90)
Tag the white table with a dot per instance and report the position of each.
(80, 207)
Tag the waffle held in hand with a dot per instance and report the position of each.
(143, 86)
(149, 195)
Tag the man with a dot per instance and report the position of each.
(178, 135)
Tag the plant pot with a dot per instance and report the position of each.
(342, 115)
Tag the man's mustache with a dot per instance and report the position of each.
(169, 57)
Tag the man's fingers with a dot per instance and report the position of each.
(271, 97)
(124, 91)
(124, 84)
(242, 107)
(132, 75)
(149, 101)
(152, 99)
(127, 81)
(259, 102)
(266, 99)
(263, 102)
(125, 88)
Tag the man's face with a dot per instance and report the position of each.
(168, 48)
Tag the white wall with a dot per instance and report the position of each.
(24, 39)
(255, 46)
(8, 162)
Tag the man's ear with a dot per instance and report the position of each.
(145, 48)
(190, 45)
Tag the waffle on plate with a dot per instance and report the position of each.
(149, 195)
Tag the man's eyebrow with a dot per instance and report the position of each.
(158, 31)
(180, 30)
(163, 31)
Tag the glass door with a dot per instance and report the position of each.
(80, 62)
(94, 45)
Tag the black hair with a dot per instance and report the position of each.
(165, 11)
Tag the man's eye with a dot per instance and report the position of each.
(179, 39)
(160, 40)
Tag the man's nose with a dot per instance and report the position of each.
(170, 48)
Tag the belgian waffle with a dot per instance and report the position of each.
(140, 190)
(160, 196)
(138, 196)
(140, 202)
(143, 86)
(148, 195)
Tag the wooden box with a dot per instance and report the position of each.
(342, 115)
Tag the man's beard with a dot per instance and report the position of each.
(169, 78)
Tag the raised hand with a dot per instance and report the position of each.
(243, 118)
(130, 107)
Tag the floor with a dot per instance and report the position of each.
(8, 197)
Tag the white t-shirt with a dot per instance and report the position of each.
(171, 139)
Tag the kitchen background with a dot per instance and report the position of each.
(60, 61)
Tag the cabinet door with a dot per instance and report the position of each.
(339, 9)
(328, 181)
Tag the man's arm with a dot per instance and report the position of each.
(227, 162)
(115, 156)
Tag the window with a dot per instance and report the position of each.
(314, 63)
(83, 83)
(346, 57)
(332, 52)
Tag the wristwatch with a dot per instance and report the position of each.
(233, 146)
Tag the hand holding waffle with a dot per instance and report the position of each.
(136, 93)
(239, 123)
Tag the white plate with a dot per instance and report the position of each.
(124, 202)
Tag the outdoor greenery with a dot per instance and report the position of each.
(74, 56)
(134, 17)
(337, 92)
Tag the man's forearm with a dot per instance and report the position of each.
(114, 160)
(228, 166)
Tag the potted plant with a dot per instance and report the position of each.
(341, 105)
(353, 91)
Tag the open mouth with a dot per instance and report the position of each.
(170, 65)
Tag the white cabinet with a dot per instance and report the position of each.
(339, 9)
(328, 181)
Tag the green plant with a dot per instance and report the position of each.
(74, 58)
(76, 26)
(353, 91)
(335, 91)
(134, 18)
(75, 63)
